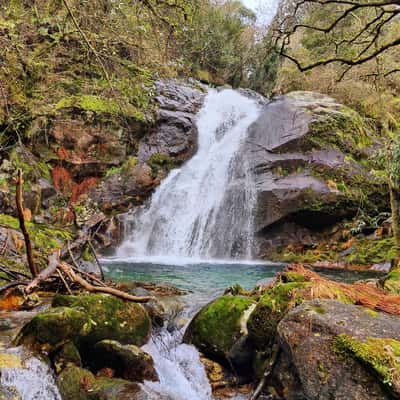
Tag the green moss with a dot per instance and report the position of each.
(392, 282)
(161, 161)
(217, 327)
(100, 105)
(76, 384)
(319, 310)
(9, 221)
(87, 254)
(270, 309)
(111, 318)
(43, 237)
(125, 167)
(290, 276)
(382, 356)
(372, 313)
(54, 326)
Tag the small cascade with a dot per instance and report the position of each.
(26, 377)
(204, 209)
(182, 375)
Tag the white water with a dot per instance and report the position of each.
(204, 209)
(182, 375)
(33, 380)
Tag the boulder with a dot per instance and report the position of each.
(334, 350)
(170, 141)
(68, 355)
(86, 320)
(110, 318)
(80, 384)
(311, 162)
(128, 361)
(219, 331)
(50, 328)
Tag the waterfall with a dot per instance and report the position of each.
(203, 209)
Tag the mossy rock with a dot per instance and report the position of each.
(111, 318)
(76, 383)
(339, 351)
(380, 355)
(68, 355)
(128, 361)
(220, 325)
(80, 384)
(55, 326)
(392, 282)
(272, 307)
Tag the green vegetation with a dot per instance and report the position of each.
(380, 355)
(161, 161)
(218, 326)
(272, 306)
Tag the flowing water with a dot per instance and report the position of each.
(26, 377)
(203, 209)
(182, 375)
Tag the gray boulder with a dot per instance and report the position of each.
(311, 161)
(333, 350)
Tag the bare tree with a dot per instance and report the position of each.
(354, 32)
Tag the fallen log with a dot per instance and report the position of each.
(76, 278)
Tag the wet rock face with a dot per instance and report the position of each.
(166, 144)
(310, 158)
(333, 350)
(175, 132)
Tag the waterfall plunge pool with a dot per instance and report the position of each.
(205, 280)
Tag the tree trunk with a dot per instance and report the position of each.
(21, 217)
(395, 207)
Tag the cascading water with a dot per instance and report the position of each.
(200, 211)
(26, 377)
(182, 375)
(204, 209)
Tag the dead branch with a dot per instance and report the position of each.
(78, 269)
(21, 217)
(67, 269)
(12, 284)
(46, 273)
(64, 281)
(97, 259)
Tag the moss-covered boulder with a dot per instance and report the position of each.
(80, 384)
(270, 309)
(55, 326)
(128, 361)
(334, 350)
(219, 330)
(110, 318)
(85, 320)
